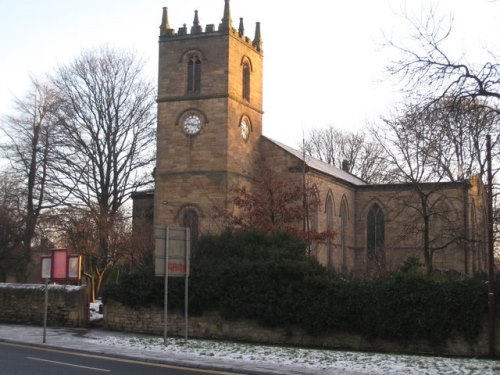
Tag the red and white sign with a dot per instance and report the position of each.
(172, 247)
(61, 266)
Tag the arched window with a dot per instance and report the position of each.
(246, 81)
(313, 211)
(329, 213)
(329, 228)
(344, 216)
(194, 74)
(191, 220)
(375, 230)
(445, 229)
(476, 260)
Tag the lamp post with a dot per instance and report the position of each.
(491, 258)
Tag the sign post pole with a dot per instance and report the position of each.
(172, 249)
(491, 254)
(46, 273)
(186, 284)
(165, 308)
(58, 267)
(45, 308)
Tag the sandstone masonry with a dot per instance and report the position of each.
(24, 304)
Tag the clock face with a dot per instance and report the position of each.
(191, 124)
(244, 129)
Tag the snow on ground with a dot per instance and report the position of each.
(41, 287)
(95, 311)
(95, 316)
(325, 360)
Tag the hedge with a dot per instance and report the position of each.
(269, 278)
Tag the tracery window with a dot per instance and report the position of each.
(194, 74)
(476, 257)
(313, 213)
(329, 213)
(191, 220)
(375, 230)
(329, 228)
(343, 229)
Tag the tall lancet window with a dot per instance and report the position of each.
(344, 215)
(329, 228)
(194, 74)
(191, 220)
(313, 211)
(375, 230)
(246, 81)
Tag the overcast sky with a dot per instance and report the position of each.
(323, 59)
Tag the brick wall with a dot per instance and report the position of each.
(24, 304)
(212, 326)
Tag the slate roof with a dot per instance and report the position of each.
(321, 165)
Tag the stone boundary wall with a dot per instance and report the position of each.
(211, 326)
(24, 304)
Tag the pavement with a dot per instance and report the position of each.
(88, 341)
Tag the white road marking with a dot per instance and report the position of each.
(68, 364)
(121, 360)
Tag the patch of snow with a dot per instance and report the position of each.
(70, 288)
(95, 310)
(22, 286)
(328, 361)
(95, 316)
(95, 306)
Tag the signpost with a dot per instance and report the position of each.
(46, 272)
(45, 308)
(59, 266)
(491, 255)
(172, 253)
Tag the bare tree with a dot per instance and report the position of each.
(78, 228)
(11, 227)
(460, 131)
(107, 118)
(429, 70)
(412, 144)
(276, 204)
(140, 251)
(30, 150)
(351, 151)
(466, 92)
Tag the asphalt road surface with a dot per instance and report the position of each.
(16, 359)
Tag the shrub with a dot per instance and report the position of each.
(269, 278)
(136, 290)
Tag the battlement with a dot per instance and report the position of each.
(224, 28)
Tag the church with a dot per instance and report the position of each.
(209, 139)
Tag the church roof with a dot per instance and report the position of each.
(321, 165)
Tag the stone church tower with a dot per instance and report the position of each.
(209, 118)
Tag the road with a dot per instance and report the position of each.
(16, 359)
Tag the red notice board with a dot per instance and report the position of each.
(59, 264)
